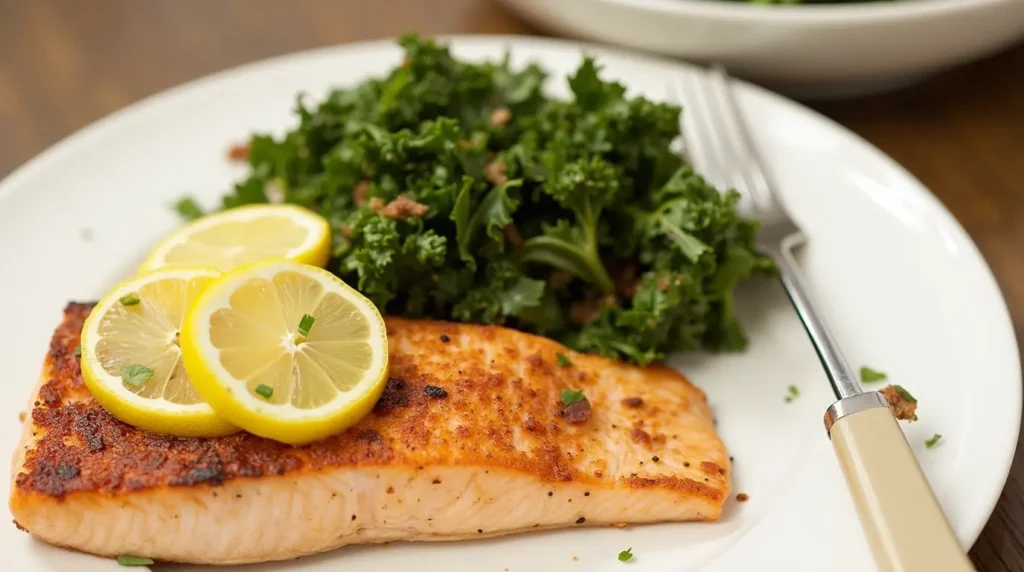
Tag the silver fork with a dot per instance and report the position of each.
(903, 522)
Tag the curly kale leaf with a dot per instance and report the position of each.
(698, 249)
(504, 293)
(573, 218)
(586, 188)
(492, 215)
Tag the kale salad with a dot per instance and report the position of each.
(460, 191)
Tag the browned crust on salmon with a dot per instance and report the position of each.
(498, 399)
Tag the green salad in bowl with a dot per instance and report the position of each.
(804, 48)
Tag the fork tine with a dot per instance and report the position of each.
(748, 165)
(701, 138)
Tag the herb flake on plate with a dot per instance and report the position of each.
(868, 375)
(125, 560)
(188, 209)
(792, 393)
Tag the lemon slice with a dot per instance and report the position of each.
(131, 361)
(234, 237)
(286, 351)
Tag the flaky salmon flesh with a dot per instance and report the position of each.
(470, 439)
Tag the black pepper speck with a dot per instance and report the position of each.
(445, 338)
(435, 392)
(580, 520)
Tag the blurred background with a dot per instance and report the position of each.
(67, 63)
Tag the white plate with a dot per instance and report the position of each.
(905, 289)
(807, 50)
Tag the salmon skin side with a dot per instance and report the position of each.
(470, 439)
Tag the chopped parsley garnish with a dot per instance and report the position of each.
(131, 299)
(562, 360)
(570, 396)
(794, 392)
(906, 394)
(440, 211)
(264, 391)
(135, 374)
(933, 441)
(305, 324)
(78, 351)
(868, 375)
(125, 560)
(626, 555)
(188, 209)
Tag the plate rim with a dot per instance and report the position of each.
(809, 14)
(143, 107)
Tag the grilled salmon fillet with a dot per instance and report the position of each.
(470, 439)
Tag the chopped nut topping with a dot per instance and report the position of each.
(359, 193)
(902, 407)
(239, 152)
(496, 173)
(578, 412)
(500, 116)
(401, 207)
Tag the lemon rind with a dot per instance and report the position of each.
(314, 251)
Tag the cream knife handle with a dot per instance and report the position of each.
(901, 518)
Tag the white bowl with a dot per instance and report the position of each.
(809, 50)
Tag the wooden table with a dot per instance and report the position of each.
(66, 63)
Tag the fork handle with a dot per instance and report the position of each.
(901, 518)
